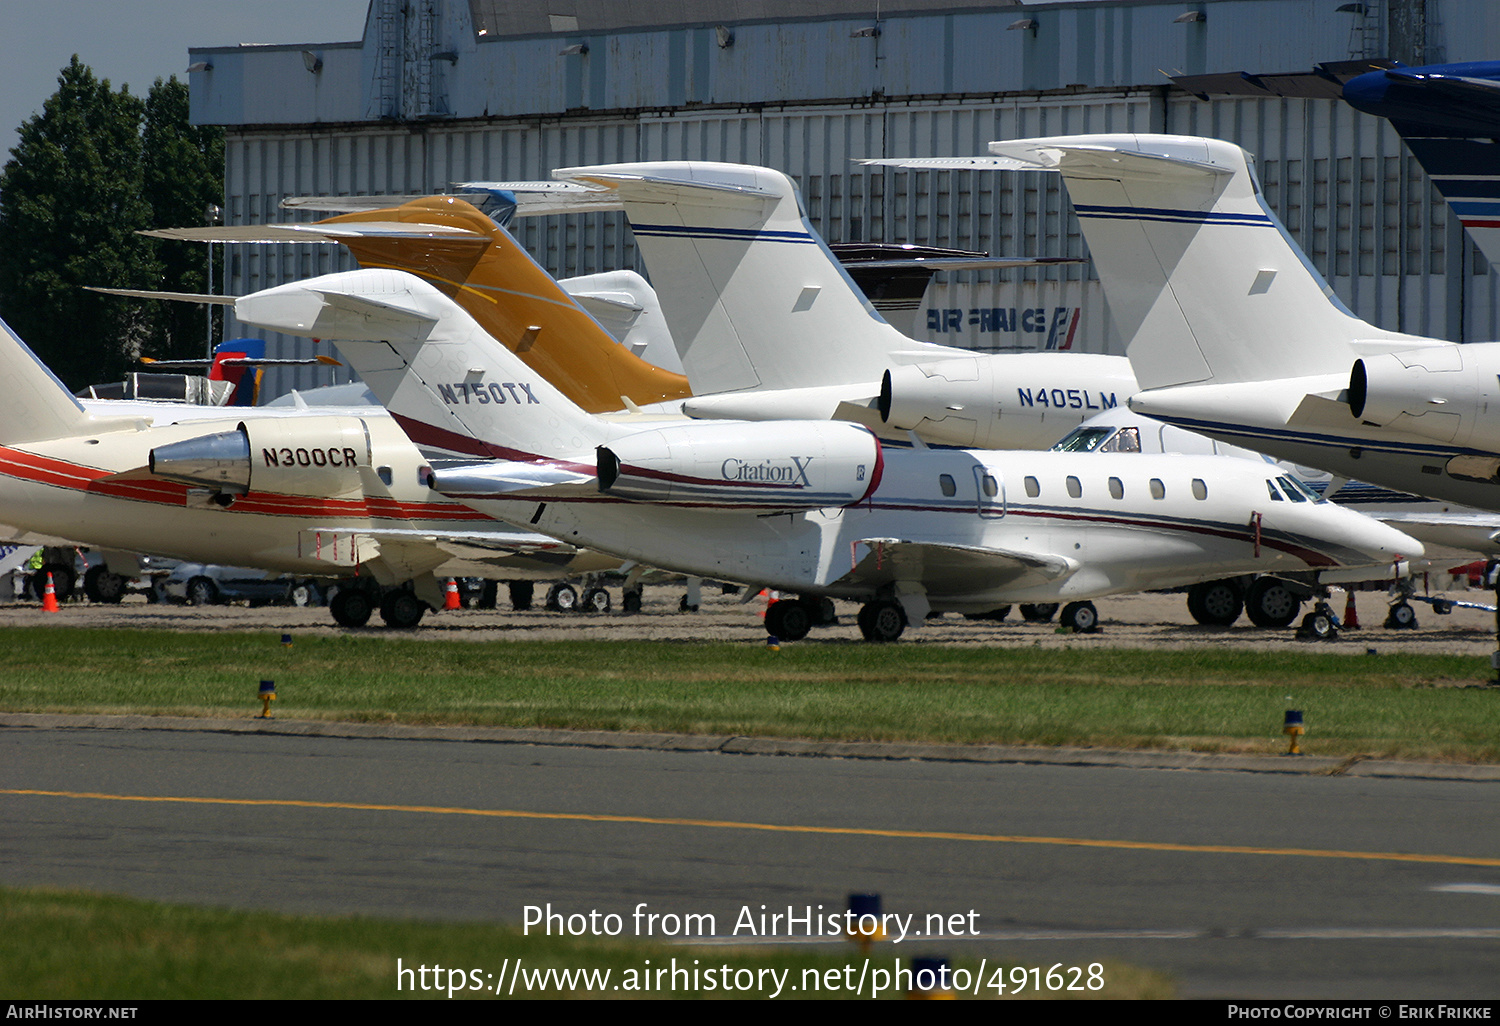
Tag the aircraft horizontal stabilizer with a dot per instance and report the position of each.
(327, 310)
(952, 569)
(661, 188)
(954, 163)
(323, 232)
(1183, 158)
(178, 297)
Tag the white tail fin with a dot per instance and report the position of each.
(1199, 274)
(37, 405)
(453, 389)
(752, 294)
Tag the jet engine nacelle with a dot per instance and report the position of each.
(1015, 401)
(1446, 393)
(294, 455)
(775, 465)
(953, 401)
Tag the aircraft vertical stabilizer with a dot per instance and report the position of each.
(37, 405)
(425, 358)
(1198, 272)
(755, 298)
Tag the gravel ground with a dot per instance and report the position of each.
(1134, 621)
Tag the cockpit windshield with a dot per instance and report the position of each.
(1100, 439)
(1297, 491)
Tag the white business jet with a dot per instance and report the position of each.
(816, 508)
(336, 493)
(1236, 336)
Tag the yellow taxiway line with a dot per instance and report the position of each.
(723, 824)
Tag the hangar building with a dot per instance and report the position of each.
(440, 91)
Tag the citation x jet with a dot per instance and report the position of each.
(815, 508)
(333, 493)
(1234, 334)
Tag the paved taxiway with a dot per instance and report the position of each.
(1157, 889)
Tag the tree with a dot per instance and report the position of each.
(183, 174)
(91, 170)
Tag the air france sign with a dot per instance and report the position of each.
(1055, 327)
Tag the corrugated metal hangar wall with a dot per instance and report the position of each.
(430, 96)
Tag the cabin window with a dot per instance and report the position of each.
(945, 482)
(1158, 490)
(1200, 488)
(991, 486)
(1075, 488)
(1271, 487)
(1116, 488)
(1033, 487)
(385, 475)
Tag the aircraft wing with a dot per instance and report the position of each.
(944, 568)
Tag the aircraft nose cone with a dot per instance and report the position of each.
(1396, 545)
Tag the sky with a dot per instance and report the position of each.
(135, 42)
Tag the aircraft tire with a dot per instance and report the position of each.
(631, 601)
(1270, 604)
(102, 586)
(596, 600)
(1318, 626)
(562, 598)
(402, 610)
(351, 607)
(789, 620)
(1215, 603)
(881, 620)
(1402, 617)
(1081, 616)
(1038, 613)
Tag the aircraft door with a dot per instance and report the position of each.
(989, 487)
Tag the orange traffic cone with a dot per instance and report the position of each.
(49, 596)
(1351, 615)
(450, 600)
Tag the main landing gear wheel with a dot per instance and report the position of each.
(102, 586)
(351, 607)
(631, 600)
(561, 598)
(1039, 614)
(1081, 616)
(596, 600)
(882, 620)
(788, 620)
(402, 610)
(1402, 617)
(521, 594)
(1270, 603)
(1215, 603)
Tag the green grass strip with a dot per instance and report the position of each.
(72, 946)
(1208, 699)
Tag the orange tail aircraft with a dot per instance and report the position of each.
(451, 244)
